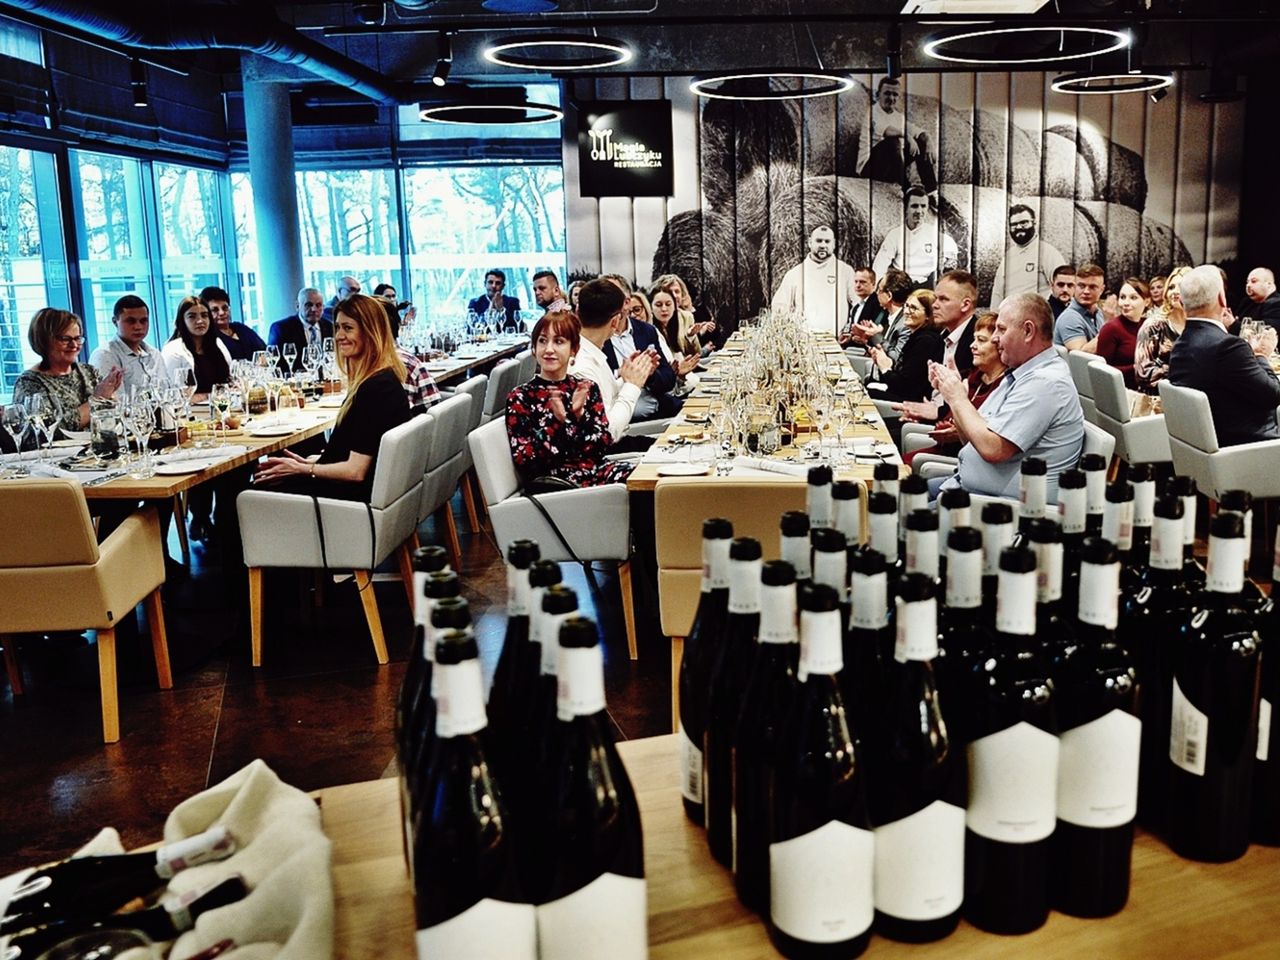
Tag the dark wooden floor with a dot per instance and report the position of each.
(320, 711)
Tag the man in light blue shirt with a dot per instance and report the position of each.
(143, 365)
(1035, 412)
(1078, 325)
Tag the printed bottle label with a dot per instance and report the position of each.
(1048, 572)
(884, 535)
(848, 520)
(870, 601)
(821, 885)
(715, 565)
(795, 550)
(922, 552)
(818, 505)
(1224, 571)
(1188, 733)
(995, 537)
(1099, 594)
(690, 768)
(964, 578)
(1166, 544)
(1095, 498)
(907, 503)
(744, 586)
(491, 928)
(917, 630)
(551, 623)
(820, 648)
(1144, 503)
(517, 592)
(606, 918)
(579, 682)
(1188, 520)
(1098, 771)
(213, 844)
(1264, 730)
(1013, 784)
(948, 520)
(919, 863)
(1072, 509)
(778, 614)
(1016, 603)
(459, 699)
(1032, 494)
(1117, 525)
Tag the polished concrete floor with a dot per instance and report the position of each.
(320, 711)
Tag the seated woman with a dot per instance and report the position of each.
(239, 339)
(681, 345)
(556, 422)
(1157, 335)
(907, 378)
(64, 383)
(195, 346)
(1119, 336)
(698, 317)
(376, 402)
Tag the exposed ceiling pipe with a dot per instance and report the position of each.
(178, 27)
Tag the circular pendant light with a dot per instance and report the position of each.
(578, 52)
(748, 86)
(1110, 83)
(489, 114)
(1086, 42)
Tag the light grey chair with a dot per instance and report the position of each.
(930, 465)
(1193, 444)
(593, 523)
(504, 378)
(477, 388)
(1141, 440)
(292, 530)
(1079, 362)
(528, 365)
(446, 464)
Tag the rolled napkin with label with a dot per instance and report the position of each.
(773, 466)
(211, 453)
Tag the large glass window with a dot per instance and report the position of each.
(246, 248)
(349, 226)
(464, 221)
(190, 230)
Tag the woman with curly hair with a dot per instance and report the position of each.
(1157, 335)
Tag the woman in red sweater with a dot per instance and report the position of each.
(1119, 335)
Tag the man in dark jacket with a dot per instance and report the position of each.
(306, 326)
(655, 399)
(1262, 299)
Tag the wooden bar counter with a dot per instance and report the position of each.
(1176, 907)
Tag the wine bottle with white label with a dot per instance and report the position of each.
(517, 671)
(426, 561)
(846, 502)
(831, 566)
(447, 613)
(1100, 736)
(1094, 466)
(1071, 517)
(1054, 634)
(821, 850)
(882, 535)
(915, 782)
(922, 544)
(818, 504)
(964, 641)
(1117, 518)
(793, 543)
(1240, 502)
(885, 478)
(913, 494)
(467, 894)
(1143, 479)
(595, 904)
(1213, 733)
(415, 693)
(1013, 767)
(954, 511)
(765, 704)
(997, 534)
(869, 640)
(1033, 491)
(1150, 617)
(700, 648)
(1185, 488)
(729, 675)
(1265, 827)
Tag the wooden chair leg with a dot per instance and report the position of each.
(159, 638)
(364, 583)
(406, 572)
(11, 664)
(415, 541)
(180, 520)
(677, 656)
(444, 517)
(107, 683)
(481, 506)
(255, 614)
(469, 502)
(628, 606)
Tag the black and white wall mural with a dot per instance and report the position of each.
(992, 172)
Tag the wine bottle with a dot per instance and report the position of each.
(913, 494)
(846, 496)
(91, 886)
(516, 673)
(1117, 518)
(425, 560)
(765, 704)
(1094, 466)
(922, 543)
(831, 567)
(869, 640)
(1240, 502)
(1033, 491)
(882, 522)
(1100, 735)
(447, 613)
(1214, 720)
(467, 894)
(1054, 634)
(793, 543)
(595, 904)
(821, 850)
(1144, 502)
(1185, 487)
(543, 574)
(915, 783)
(1071, 517)
(700, 647)
(1265, 826)
(165, 921)
(885, 479)
(997, 534)
(728, 680)
(964, 639)
(818, 501)
(954, 511)
(1013, 767)
(415, 691)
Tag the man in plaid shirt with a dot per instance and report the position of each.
(418, 383)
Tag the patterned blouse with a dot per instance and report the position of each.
(66, 392)
(573, 450)
(1156, 338)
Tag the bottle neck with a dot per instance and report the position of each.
(535, 613)
(518, 592)
(551, 623)
(580, 682)
(995, 537)
(964, 579)
(1048, 572)
(1117, 524)
(1144, 504)
(1095, 496)
(821, 651)
(922, 552)
(1016, 603)
(870, 601)
(459, 699)
(884, 535)
(818, 505)
(795, 550)
(1099, 594)
(1224, 573)
(950, 519)
(886, 486)
(908, 502)
(778, 614)
(917, 635)
(715, 565)
(1072, 510)
(744, 586)
(848, 520)
(1032, 496)
(1188, 525)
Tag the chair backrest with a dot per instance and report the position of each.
(528, 365)
(402, 460)
(504, 378)
(1109, 393)
(475, 388)
(680, 505)
(1187, 417)
(452, 418)
(46, 524)
(1079, 363)
(1062, 351)
(491, 451)
(1097, 440)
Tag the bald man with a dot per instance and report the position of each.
(1262, 299)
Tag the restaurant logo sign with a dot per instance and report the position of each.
(624, 148)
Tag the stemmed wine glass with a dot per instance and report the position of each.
(273, 357)
(290, 353)
(14, 420)
(139, 417)
(42, 417)
(220, 403)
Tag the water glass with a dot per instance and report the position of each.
(104, 945)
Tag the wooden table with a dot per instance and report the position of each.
(1176, 907)
(459, 367)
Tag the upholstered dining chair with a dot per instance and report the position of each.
(293, 530)
(1079, 362)
(504, 378)
(54, 575)
(446, 465)
(1096, 440)
(1138, 440)
(528, 364)
(593, 523)
(1193, 444)
(477, 388)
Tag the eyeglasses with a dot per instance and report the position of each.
(637, 312)
(70, 341)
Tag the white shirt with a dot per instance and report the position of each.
(878, 121)
(915, 252)
(141, 369)
(178, 357)
(619, 397)
(949, 344)
(1030, 270)
(822, 291)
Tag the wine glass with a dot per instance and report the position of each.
(14, 420)
(273, 357)
(290, 353)
(220, 403)
(140, 417)
(105, 944)
(42, 418)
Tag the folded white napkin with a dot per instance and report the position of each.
(772, 466)
(680, 453)
(212, 454)
(49, 470)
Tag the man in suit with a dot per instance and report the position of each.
(306, 326)
(954, 297)
(1061, 289)
(1235, 375)
(866, 317)
(630, 336)
(495, 281)
(1263, 300)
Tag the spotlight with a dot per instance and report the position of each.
(893, 60)
(370, 14)
(1158, 95)
(444, 59)
(138, 82)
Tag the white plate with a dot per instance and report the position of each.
(328, 403)
(183, 466)
(281, 430)
(70, 442)
(683, 470)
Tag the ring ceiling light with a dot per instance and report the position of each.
(1095, 42)
(528, 53)
(489, 114)
(1109, 83)
(831, 84)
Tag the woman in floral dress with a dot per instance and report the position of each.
(556, 422)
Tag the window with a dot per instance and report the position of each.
(246, 247)
(20, 41)
(191, 233)
(464, 221)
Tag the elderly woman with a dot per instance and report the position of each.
(195, 345)
(376, 402)
(556, 423)
(1118, 337)
(907, 378)
(64, 383)
(1157, 335)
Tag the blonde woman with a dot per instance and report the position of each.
(376, 402)
(1157, 335)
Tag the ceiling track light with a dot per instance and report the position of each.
(444, 59)
(370, 14)
(1099, 84)
(753, 86)
(138, 82)
(532, 52)
(893, 59)
(1091, 41)
(1155, 96)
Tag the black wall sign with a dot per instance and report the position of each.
(624, 148)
